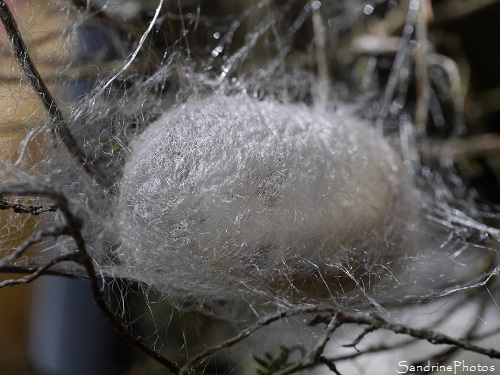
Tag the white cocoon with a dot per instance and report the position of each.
(230, 192)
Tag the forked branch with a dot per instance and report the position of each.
(334, 317)
(81, 257)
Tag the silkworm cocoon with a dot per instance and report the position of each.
(236, 192)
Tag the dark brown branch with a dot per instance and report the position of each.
(188, 367)
(36, 189)
(87, 262)
(24, 209)
(313, 358)
(433, 337)
(373, 349)
(83, 258)
(59, 126)
(401, 344)
(40, 271)
(360, 337)
(74, 229)
(29, 268)
(29, 68)
(341, 317)
(331, 365)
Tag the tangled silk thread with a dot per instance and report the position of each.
(231, 193)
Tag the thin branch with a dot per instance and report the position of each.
(28, 267)
(83, 258)
(59, 125)
(21, 54)
(37, 189)
(401, 344)
(342, 317)
(360, 337)
(40, 271)
(320, 347)
(338, 317)
(33, 240)
(315, 355)
(265, 321)
(373, 349)
(331, 365)
(433, 337)
(98, 295)
(24, 209)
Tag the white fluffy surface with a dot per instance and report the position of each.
(232, 195)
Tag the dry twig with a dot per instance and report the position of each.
(24, 209)
(337, 318)
(82, 257)
(59, 125)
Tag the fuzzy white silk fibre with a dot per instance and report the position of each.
(230, 194)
